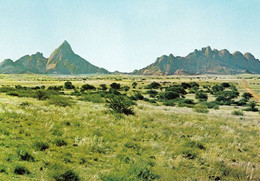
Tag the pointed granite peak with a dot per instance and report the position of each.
(65, 46)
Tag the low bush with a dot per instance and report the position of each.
(115, 86)
(210, 105)
(169, 103)
(95, 98)
(87, 87)
(252, 106)
(41, 146)
(200, 108)
(185, 102)
(21, 170)
(61, 101)
(60, 142)
(69, 175)
(24, 155)
(201, 96)
(237, 113)
(153, 85)
(152, 93)
(68, 85)
(120, 104)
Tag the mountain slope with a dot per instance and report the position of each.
(62, 61)
(204, 61)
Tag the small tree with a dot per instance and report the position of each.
(68, 85)
(41, 94)
(201, 96)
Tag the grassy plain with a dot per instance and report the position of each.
(86, 141)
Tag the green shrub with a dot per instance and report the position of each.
(152, 93)
(252, 106)
(60, 142)
(176, 88)
(217, 88)
(238, 113)
(68, 85)
(41, 146)
(189, 154)
(103, 87)
(69, 175)
(21, 170)
(61, 101)
(247, 96)
(225, 84)
(134, 84)
(24, 155)
(95, 98)
(3, 169)
(23, 104)
(115, 86)
(168, 95)
(185, 102)
(201, 96)
(169, 103)
(153, 85)
(200, 108)
(87, 87)
(120, 104)
(41, 95)
(125, 88)
(210, 105)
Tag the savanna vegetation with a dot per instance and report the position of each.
(129, 128)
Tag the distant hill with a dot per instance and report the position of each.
(204, 61)
(62, 61)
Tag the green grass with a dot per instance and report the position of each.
(86, 141)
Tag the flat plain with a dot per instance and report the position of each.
(168, 129)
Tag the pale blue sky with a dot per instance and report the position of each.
(128, 34)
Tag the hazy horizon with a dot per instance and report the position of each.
(128, 35)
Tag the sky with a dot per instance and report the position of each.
(128, 34)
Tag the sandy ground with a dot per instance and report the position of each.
(245, 85)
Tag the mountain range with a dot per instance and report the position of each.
(62, 61)
(205, 61)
